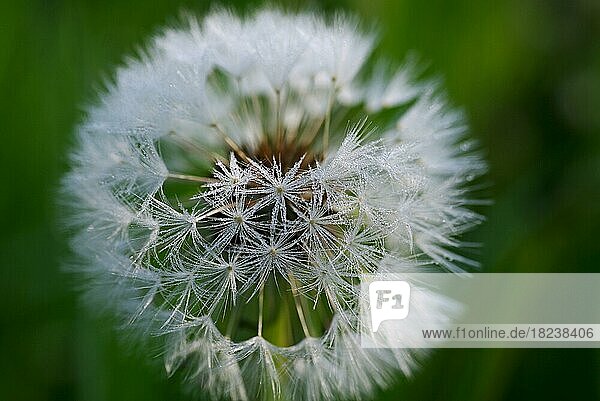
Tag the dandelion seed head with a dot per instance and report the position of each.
(234, 183)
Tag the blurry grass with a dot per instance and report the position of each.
(526, 73)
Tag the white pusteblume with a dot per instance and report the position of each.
(236, 180)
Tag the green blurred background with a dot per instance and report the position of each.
(526, 71)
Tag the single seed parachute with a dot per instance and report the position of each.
(236, 180)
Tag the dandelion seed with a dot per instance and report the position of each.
(229, 190)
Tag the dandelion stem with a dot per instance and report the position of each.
(326, 128)
(298, 305)
(230, 142)
(232, 322)
(261, 301)
(188, 177)
(331, 300)
(213, 211)
(257, 109)
(279, 134)
(190, 145)
(311, 131)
